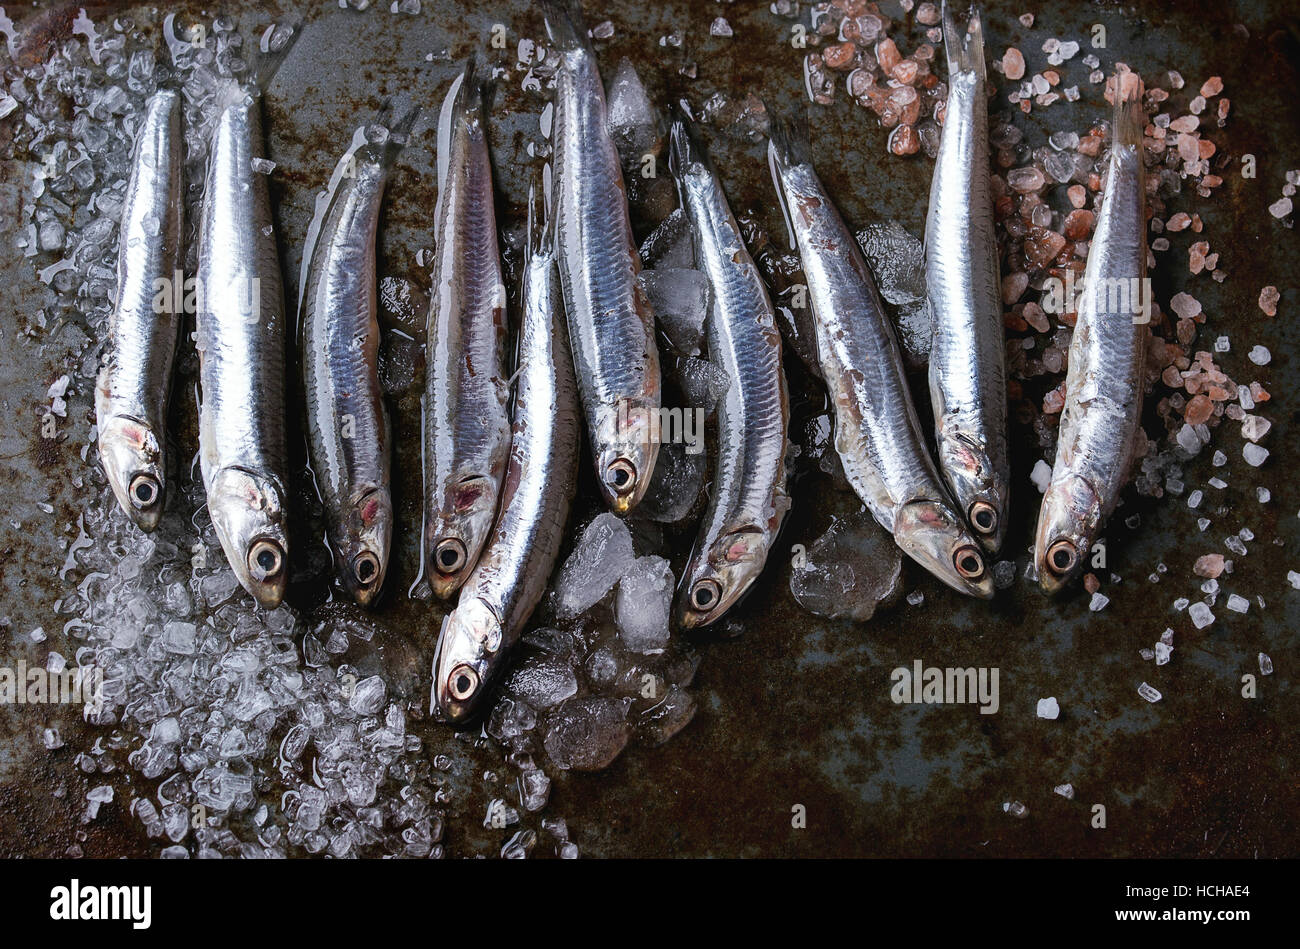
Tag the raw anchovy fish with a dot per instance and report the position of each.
(611, 325)
(511, 576)
(133, 387)
(748, 500)
(877, 433)
(466, 417)
(347, 425)
(967, 371)
(240, 341)
(1103, 385)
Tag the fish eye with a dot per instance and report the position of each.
(145, 491)
(463, 682)
(969, 562)
(449, 556)
(621, 475)
(265, 560)
(366, 568)
(984, 517)
(1062, 557)
(705, 595)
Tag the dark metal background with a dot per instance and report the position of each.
(796, 710)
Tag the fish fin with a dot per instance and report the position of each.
(1130, 117)
(964, 48)
(538, 236)
(274, 45)
(396, 132)
(565, 24)
(788, 137)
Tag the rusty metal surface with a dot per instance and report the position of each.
(796, 710)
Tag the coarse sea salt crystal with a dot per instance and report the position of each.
(1048, 708)
(1259, 355)
(1098, 603)
(1221, 345)
(1180, 604)
(1150, 693)
(1162, 653)
(1041, 476)
(1265, 664)
(1238, 604)
(1200, 615)
(1293, 578)
(1202, 522)
(1217, 483)
(1219, 460)
(1255, 455)
(1194, 499)
(1065, 790)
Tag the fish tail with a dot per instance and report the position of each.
(788, 137)
(398, 128)
(1130, 117)
(272, 48)
(565, 24)
(964, 48)
(683, 145)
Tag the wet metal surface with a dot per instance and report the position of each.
(794, 710)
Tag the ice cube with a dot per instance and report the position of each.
(676, 484)
(849, 571)
(644, 600)
(631, 117)
(680, 301)
(586, 734)
(368, 696)
(602, 555)
(542, 681)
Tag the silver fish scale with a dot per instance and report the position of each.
(142, 340)
(466, 416)
(743, 340)
(610, 323)
(877, 432)
(1108, 350)
(341, 339)
(967, 372)
(511, 575)
(241, 346)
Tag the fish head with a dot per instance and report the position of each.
(627, 446)
(932, 535)
(455, 534)
(363, 544)
(131, 454)
(1067, 525)
(248, 512)
(979, 489)
(469, 651)
(717, 577)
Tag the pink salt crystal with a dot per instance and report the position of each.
(1036, 318)
(928, 14)
(1026, 180)
(1196, 256)
(1026, 20)
(1185, 305)
(1185, 123)
(1208, 566)
(1268, 298)
(1179, 221)
(1212, 87)
(887, 55)
(1054, 401)
(1013, 286)
(1198, 410)
(1013, 64)
(1078, 195)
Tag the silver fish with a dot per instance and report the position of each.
(748, 500)
(466, 393)
(240, 340)
(877, 433)
(611, 325)
(1103, 385)
(134, 383)
(347, 424)
(967, 357)
(511, 575)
